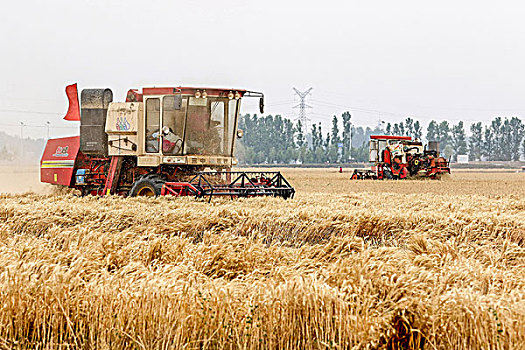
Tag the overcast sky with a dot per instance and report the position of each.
(455, 60)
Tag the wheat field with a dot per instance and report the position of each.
(343, 265)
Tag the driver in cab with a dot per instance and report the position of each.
(171, 143)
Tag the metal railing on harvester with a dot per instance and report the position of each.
(240, 184)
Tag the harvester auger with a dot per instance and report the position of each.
(162, 141)
(400, 157)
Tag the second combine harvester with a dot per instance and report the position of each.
(158, 142)
(400, 157)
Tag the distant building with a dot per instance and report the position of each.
(462, 158)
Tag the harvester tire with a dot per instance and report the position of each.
(387, 174)
(147, 186)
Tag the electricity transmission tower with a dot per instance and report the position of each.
(302, 106)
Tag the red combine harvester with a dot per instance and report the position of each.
(400, 157)
(162, 141)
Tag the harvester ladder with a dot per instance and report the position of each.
(113, 175)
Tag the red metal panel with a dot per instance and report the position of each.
(159, 91)
(133, 96)
(114, 173)
(179, 189)
(73, 112)
(390, 137)
(58, 161)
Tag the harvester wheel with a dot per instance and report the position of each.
(147, 186)
(387, 174)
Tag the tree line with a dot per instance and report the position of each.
(11, 147)
(275, 139)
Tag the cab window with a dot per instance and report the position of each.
(173, 119)
(152, 125)
(205, 126)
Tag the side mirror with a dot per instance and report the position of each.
(177, 102)
(261, 105)
(240, 133)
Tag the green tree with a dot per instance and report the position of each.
(402, 131)
(476, 141)
(300, 141)
(496, 141)
(448, 151)
(388, 130)
(315, 138)
(335, 131)
(347, 135)
(418, 131)
(409, 126)
(266, 139)
(443, 135)
(506, 141)
(299, 134)
(360, 154)
(326, 145)
(458, 140)
(488, 146)
(4, 153)
(335, 140)
(517, 135)
(396, 130)
(433, 131)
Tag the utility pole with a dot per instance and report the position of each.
(350, 150)
(21, 142)
(48, 124)
(302, 106)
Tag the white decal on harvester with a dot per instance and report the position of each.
(61, 151)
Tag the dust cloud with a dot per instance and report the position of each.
(22, 179)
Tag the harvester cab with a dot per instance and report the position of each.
(183, 126)
(400, 157)
(159, 141)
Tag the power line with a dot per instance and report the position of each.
(41, 126)
(359, 109)
(382, 112)
(466, 108)
(330, 117)
(281, 103)
(28, 112)
(46, 125)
